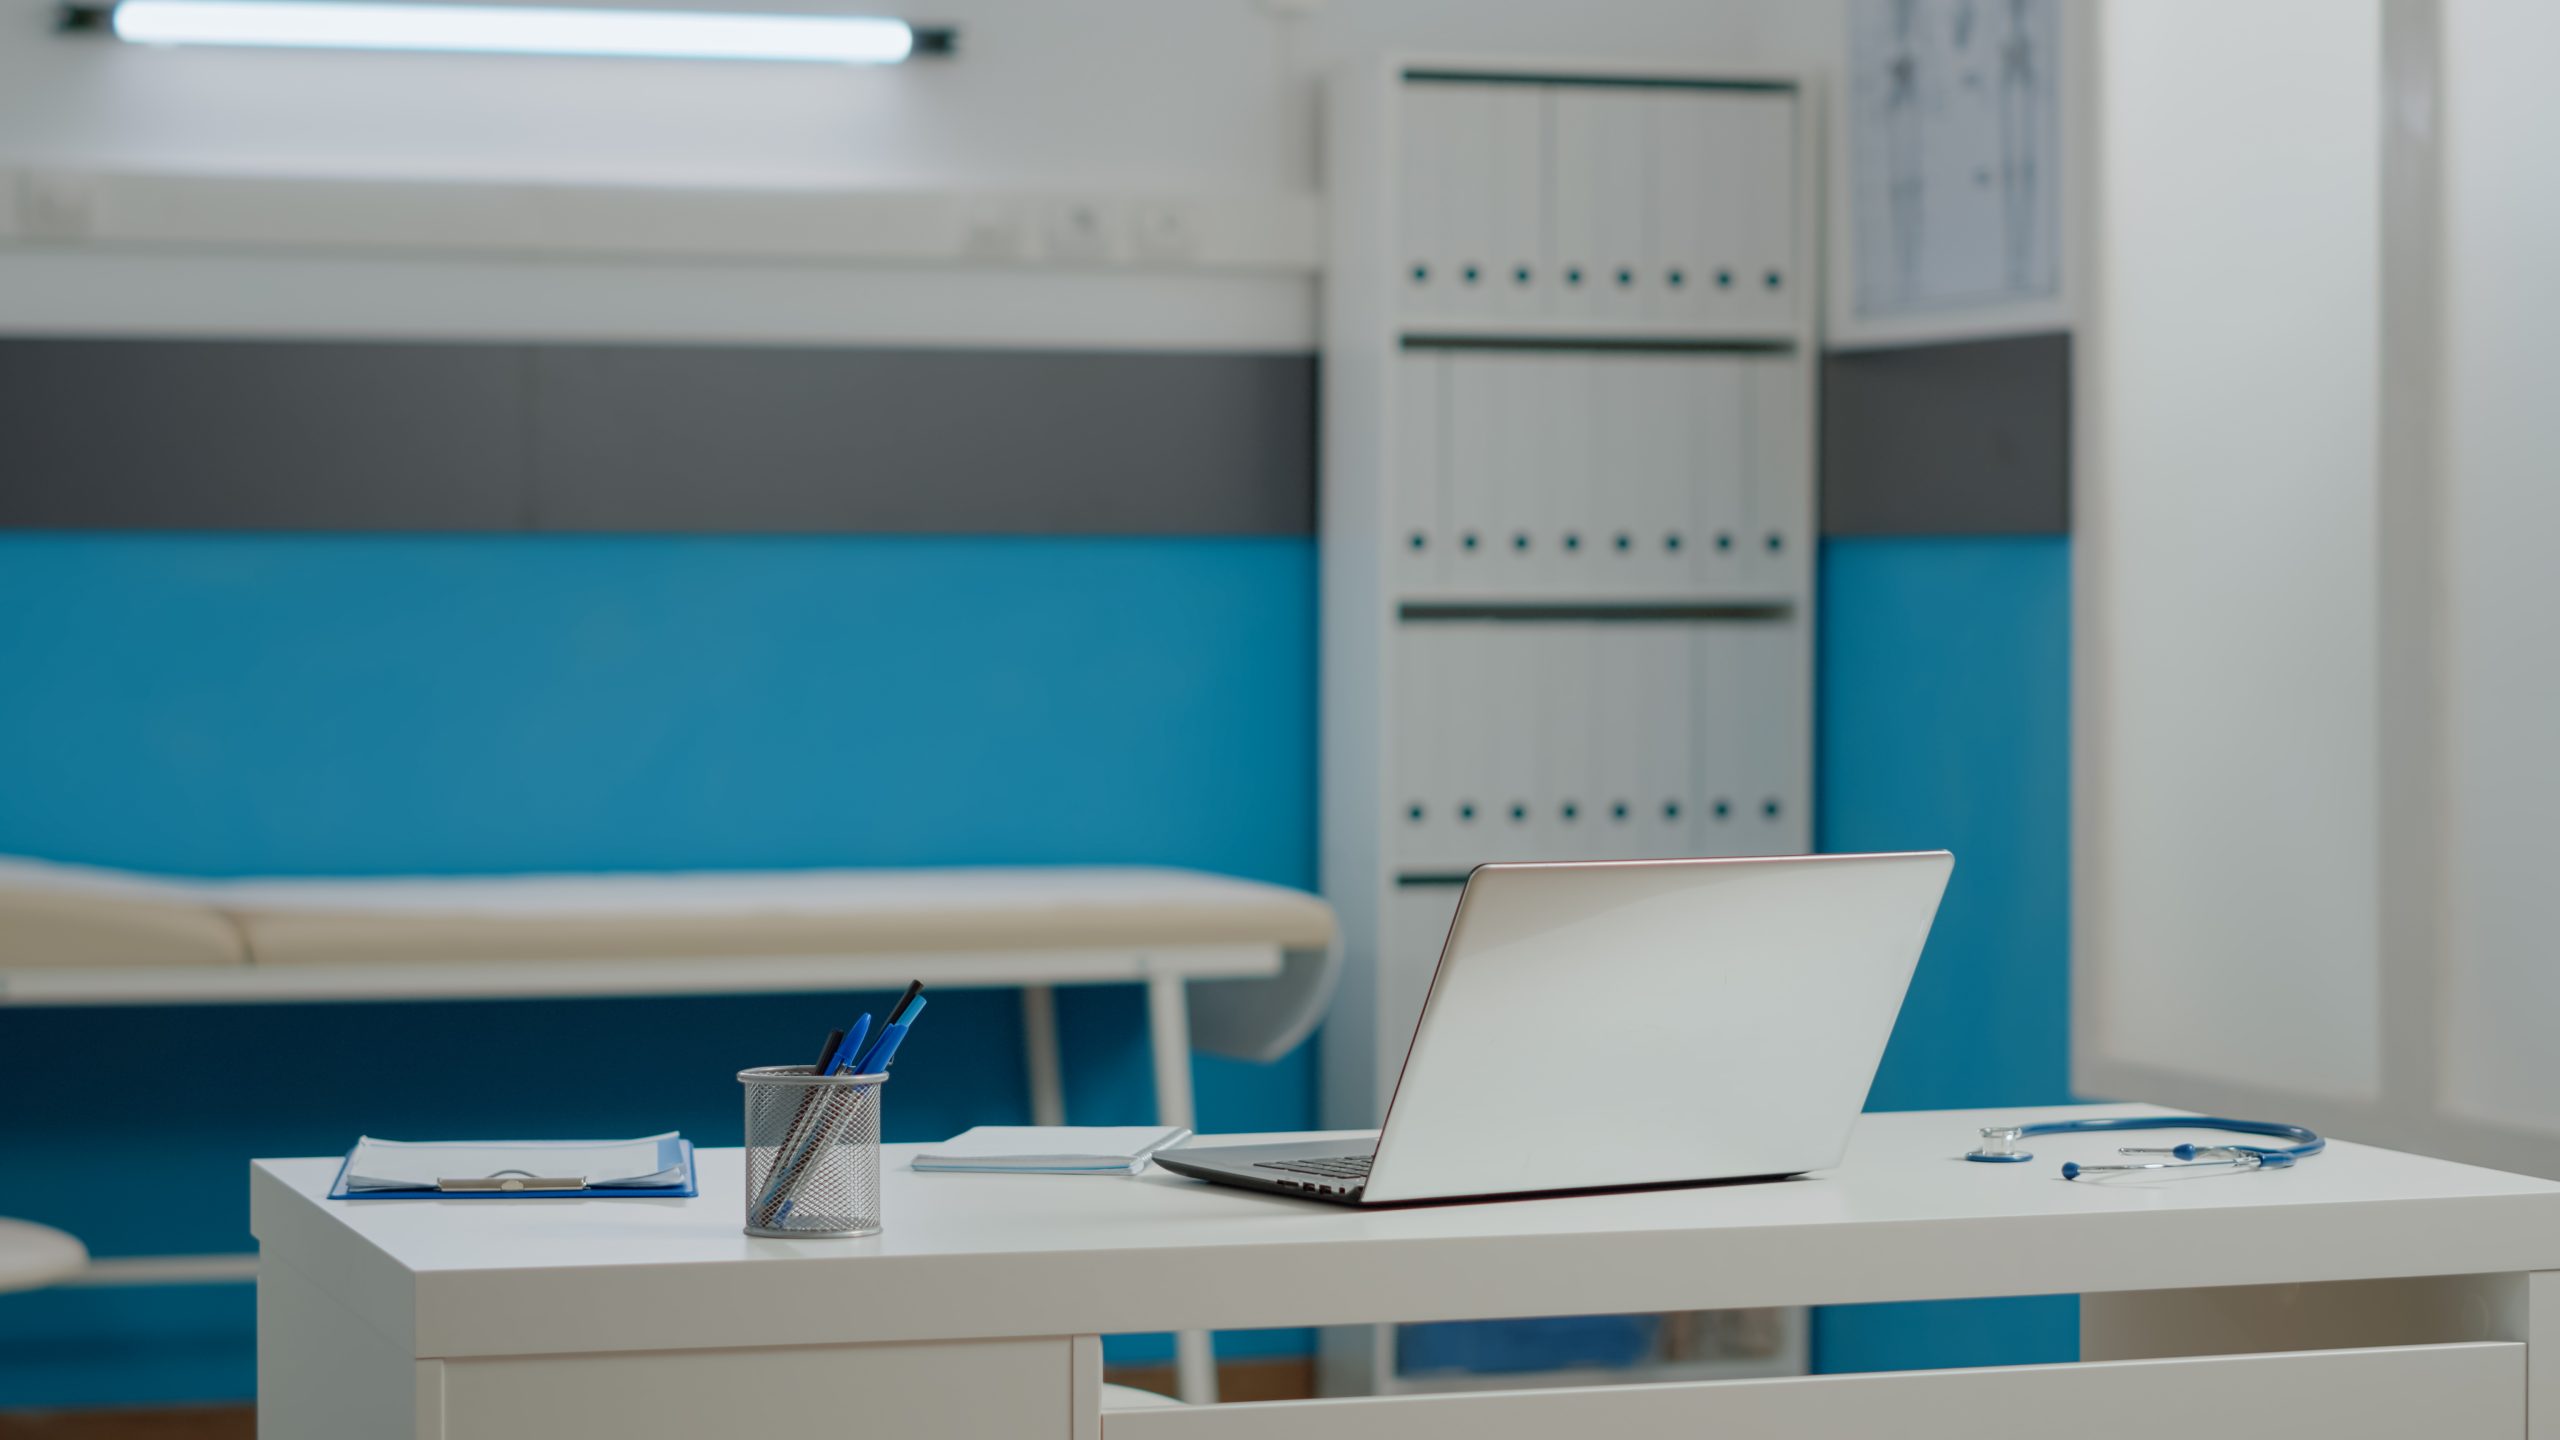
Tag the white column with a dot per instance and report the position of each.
(1195, 1365)
(1040, 1056)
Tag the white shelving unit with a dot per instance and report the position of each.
(1568, 508)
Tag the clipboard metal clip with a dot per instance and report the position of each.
(511, 1180)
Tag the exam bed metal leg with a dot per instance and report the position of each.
(1040, 1055)
(1195, 1366)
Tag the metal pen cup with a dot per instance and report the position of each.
(813, 1152)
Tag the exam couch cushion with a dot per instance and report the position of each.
(763, 913)
(65, 918)
(58, 915)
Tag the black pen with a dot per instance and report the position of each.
(897, 1011)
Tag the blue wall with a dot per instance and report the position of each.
(1946, 722)
(341, 704)
(225, 705)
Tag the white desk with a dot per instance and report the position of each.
(2366, 1293)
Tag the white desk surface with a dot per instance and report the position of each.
(992, 1255)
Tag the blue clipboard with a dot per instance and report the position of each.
(672, 1153)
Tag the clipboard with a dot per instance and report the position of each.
(677, 1152)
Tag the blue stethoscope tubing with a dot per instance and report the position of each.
(1999, 1142)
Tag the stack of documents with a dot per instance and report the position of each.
(1053, 1149)
(660, 1164)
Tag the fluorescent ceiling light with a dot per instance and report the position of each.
(518, 30)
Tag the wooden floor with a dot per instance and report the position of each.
(1281, 1379)
(205, 1422)
(1237, 1380)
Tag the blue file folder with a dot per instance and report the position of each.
(674, 1153)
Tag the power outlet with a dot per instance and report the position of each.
(1076, 230)
(1164, 232)
(57, 206)
(995, 230)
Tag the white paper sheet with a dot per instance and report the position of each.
(1053, 1149)
(418, 1165)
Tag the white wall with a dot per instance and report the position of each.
(2318, 815)
(2501, 235)
(1112, 96)
(2228, 768)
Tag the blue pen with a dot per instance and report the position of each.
(851, 1047)
(796, 1139)
(850, 1059)
(878, 1060)
(887, 1045)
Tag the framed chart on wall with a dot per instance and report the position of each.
(1954, 159)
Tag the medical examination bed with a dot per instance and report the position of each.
(1230, 964)
(1234, 966)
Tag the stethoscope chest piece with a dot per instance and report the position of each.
(2000, 1146)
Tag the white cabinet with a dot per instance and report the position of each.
(1568, 498)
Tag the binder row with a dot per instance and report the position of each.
(1578, 740)
(1580, 474)
(1598, 203)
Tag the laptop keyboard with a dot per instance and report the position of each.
(1339, 1167)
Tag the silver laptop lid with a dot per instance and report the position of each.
(1630, 1022)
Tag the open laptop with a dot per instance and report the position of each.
(1639, 1022)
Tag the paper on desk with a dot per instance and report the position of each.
(419, 1164)
(1053, 1149)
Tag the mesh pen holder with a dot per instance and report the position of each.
(813, 1152)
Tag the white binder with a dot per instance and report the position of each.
(1516, 519)
(1561, 753)
(1727, 188)
(1711, 414)
(1600, 202)
(1790, 667)
(1764, 136)
(1625, 124)
(1618, 739)
(1617, 470)
(1780, 436)
(1471, 455)
(1685, 198)
(1518, 767)
(1471, 735)
(1429, 121)
(1573, 553)
(1722, 740)
(1667, 681)
(1515, 138)
(1767, 703)
(1574, 684)
(1665, 473)
(1418, 794)
(1417, 534)
(1474, 232)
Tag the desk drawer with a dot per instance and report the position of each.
(2440, 1392)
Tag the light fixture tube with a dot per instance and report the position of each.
(515, 30)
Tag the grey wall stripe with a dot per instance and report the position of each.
(230, 435)
(123, 434)
(252, 435)
(1971, 438)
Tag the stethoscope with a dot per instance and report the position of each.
(2000, 1144)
